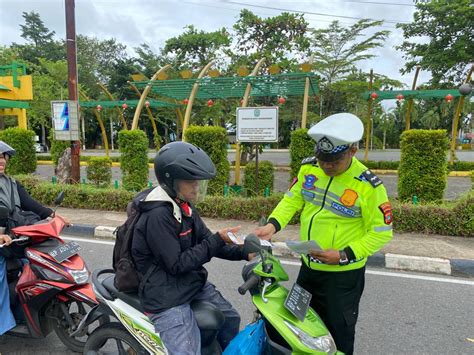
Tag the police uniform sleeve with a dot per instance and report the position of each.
(291, 203)
(377, 217)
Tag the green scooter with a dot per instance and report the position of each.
(291, 326)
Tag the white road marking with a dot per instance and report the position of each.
(297, 263)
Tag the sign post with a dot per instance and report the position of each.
(257, 125)
(65, 116)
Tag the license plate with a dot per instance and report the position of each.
(64, 251)
(297, 301)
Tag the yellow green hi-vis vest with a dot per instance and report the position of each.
(348, 210)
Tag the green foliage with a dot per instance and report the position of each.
(99, 171)
(301, 146)
(22, 140)
(337, 49)
(133, 147)
(447, 53)
(423, 166)
(213, 140)
(57, 148)
(265, 177)
(197, 48)
(277, 38)
(454, 219)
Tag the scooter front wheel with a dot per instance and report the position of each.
(76, 312)
(112, 338)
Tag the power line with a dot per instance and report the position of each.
(380, 3)
(308, 12)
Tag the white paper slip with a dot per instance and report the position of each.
(302, 247)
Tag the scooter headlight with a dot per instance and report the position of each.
(323, 343)
(80, 276)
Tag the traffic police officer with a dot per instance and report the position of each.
(345, 209)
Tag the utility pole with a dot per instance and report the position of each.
(72, 81)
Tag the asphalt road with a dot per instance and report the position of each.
(401, 313)
(282, 156)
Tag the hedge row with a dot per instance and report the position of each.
(371, 164)
(455, 218)
(265, 178)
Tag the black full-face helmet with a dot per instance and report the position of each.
(182, 161)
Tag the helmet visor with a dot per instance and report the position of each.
(191, 190)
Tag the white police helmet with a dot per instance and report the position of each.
(335, 134)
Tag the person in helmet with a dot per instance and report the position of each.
(14, 197)
(345, 209)
(171, 244)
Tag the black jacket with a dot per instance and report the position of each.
(176, 251)
(30, 204)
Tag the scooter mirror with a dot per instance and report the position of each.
(252, 244)
(59, 199)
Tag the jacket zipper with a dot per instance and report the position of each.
(334, 236)
(322, 206)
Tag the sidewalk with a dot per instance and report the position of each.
(415, 252)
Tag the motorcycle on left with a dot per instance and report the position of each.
(49, 284)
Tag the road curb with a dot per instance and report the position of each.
(451, 267)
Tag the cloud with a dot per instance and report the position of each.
(133, 22)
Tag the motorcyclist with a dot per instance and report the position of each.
(171, 244)
(12, 192)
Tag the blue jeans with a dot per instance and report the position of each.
(178, 328)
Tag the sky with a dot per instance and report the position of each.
(133, 22)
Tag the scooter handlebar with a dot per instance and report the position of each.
(247, 285)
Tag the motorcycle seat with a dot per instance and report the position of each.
(129, 298)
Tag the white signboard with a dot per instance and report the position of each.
(65, 120)
(257, 124)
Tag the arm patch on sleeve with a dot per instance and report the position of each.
(309, 160)
(371, 178)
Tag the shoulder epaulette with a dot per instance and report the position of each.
(309, 160)
(370, 177)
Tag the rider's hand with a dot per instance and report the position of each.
(266, 232)
(329, 256)
(225, 237)
(5, 239)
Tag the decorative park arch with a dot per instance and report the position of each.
(214, 87)
(447, 94)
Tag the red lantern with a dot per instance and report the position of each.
(374, 95)
(185, 101)
(449, 98)
(147, 104)
(241, 102)
(316, 98)
(99, 108)
(124, 106)
(400, 97)
(281, 100)
(210, 103)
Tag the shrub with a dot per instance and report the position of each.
(301, 146)
(22, 140)
(213, 140)
(454, 219)
(133, 147)
(99, 171)
(57, 148)
(265, 177)
(423, 166)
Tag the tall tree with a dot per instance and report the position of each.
(337, 49)
(34, 29)
(194, 48)
(280, 39)
(445, 28)
(40, 40)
